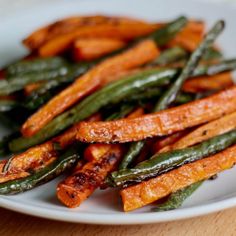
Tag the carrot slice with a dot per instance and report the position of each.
(206, 83)
(204, 132)
(139, 55)
(82, 183)
(90, 49)
(160, 123)
(125, 32)
(156, 188)
(67, 25)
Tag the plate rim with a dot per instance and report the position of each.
(120, 219)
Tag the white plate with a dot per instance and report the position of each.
(104, 207)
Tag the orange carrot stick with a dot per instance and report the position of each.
(206, 83)
(139, 55)
(204, 132)
(67, 25)
(125, 32)
(194, 26)
(90, 49)
(160, 123)
(186, 39)
(95, 151)
(156, 188)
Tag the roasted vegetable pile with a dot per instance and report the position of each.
(149, 107)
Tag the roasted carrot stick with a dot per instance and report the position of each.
(90, 49)
(206, 83)
(125, 32)
(139, 55)
(204, 132)
(67, 25)
(82, 183)
(187, 40)
(154, 189)
(165, 142)
(160, 123)
(95, 151)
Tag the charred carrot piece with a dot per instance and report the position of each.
(154, 189)
(139, 55)
(90, 49)
(82, 183)
(68, 25)
(160, 123)
(206, 83)
(125, 32)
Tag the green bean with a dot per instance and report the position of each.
(175, 200)
(212, 69)
(170, 95)
(164, 162)
(170, 55)
(134, 150)
(157, 92)
(168, 32)
(20, 81)
(111, 94)
(57, 167)
(35, 65)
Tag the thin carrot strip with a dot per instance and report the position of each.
(90, 49)
(67, 25)
(160, 123)
(164, 142)
(125, 32)
(206, 83)
(139, 55)
(204, 132)
(156, 188)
